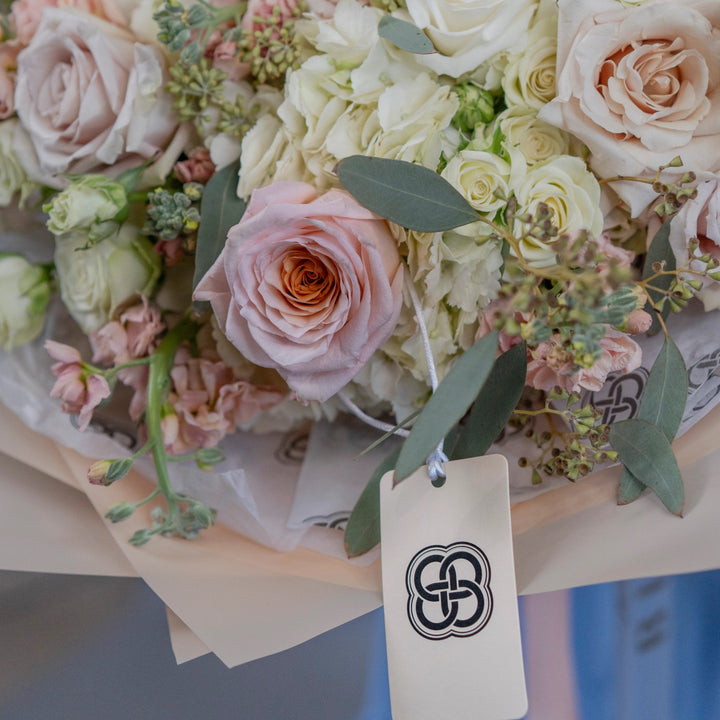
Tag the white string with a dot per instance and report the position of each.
(378, 424)
(437, 457)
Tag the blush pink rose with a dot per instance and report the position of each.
(699, 219)
(90, 98)
(310, 286)
(26, 15)
(639, 86)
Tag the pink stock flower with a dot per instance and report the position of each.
(208, 402)
(79, 391)
(172, 251)
(197, 168)
(310, 286)
(550, 365)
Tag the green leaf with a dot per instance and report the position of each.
(646, 453)
(362, 532)
(405, 35)
(659, 251)
(220, 209)
(663, 404)
(629, 489)
(390, 433)
(407, 194)
(447, 404)
(494, 405)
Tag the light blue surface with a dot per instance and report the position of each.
(97, 648)
(649, 649)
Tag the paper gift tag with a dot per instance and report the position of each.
(451, 613)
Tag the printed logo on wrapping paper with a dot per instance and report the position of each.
(449, 591)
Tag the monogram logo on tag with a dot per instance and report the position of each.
(449, 589)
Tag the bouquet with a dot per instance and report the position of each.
(486, 224)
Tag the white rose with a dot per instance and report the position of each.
(535, 139)
(91, 98)
(481, 177)
(412, 117)
(529, 78)
(466, 33)
(96, 280)
(12, 175)
(24, 295)
(640, 86)
(90, 203)
(573, 196)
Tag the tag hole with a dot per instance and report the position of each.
(438, 481)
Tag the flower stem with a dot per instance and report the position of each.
(161, 362)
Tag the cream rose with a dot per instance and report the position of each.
(481, 177)
(573, 196)
(96, 280)
(310, 286)
(24, 295)
(639, 86)
(466, 33)
(91, 97)
(12, 176)
(533, 138)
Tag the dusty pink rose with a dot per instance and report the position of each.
(80, 391)
(639, 86)
(310, 286)
(197, 168)
(103, 9)
(550, 365)
(700, 219)
(26, 15)
(90, 98)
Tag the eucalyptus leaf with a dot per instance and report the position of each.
(407, 194)
(646, 453)
(405, 35)
(659, 251)
(663, 404)
(220, 209)
(390, 433)
(362, 532)
(447, 404)
(630, 488)
(494, 405)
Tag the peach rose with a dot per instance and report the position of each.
(699, 218)
(639, 86)
(90, 97)
(308, 285)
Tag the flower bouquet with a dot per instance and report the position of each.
(427, 228)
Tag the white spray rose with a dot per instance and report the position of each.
(12, 175)
(535, 139)
(466, 33)
(88, 204)
(96, 280)
(481, 177)
(573, 195)
(24, 295)
(529, 78)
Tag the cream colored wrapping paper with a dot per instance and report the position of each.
(243, 600)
